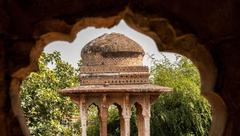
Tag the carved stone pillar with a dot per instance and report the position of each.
(139, 120)
(103, 116)
(83, 115)
(146, 115)
(146, 125)
(143, 116)
(126, 115)
(121, 121)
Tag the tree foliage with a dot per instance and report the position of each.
(93, 123)
(183, 112)
(47, 112)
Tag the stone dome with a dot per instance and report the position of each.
(112, 49)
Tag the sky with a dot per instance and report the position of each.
(70, 52)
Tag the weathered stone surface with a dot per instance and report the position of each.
(124, 84)
(113, 50)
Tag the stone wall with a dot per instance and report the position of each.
(99, 59)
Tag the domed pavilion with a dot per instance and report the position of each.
(113, 73)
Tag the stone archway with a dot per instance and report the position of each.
(159, 29)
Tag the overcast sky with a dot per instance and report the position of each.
(71, 51)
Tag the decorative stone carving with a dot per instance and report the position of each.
(116, 80)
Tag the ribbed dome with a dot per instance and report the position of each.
(113, 42)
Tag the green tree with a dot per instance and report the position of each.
(93, 123)
(183, 112)
(47, 112)
(113, 121)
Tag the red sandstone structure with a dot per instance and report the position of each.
(113, 73)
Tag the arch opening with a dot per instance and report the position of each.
(93, 120)
(207, 83)
(114, 115)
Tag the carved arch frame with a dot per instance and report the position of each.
(158, 28)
